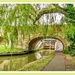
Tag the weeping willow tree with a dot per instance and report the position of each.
(19, 20)
(13, 20)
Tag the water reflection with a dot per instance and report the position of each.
(38, 55)
(16, 62)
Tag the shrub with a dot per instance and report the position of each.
(66, 51)
(70, 52)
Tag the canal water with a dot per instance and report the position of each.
(16, 62)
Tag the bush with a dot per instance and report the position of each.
(70, 52)
(66, 51)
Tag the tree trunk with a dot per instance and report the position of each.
(9, 40)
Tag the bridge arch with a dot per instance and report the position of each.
(34, 41)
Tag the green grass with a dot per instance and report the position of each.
(38, 64)
(4, 49)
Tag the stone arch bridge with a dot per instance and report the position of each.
(35, 39)
(30, 45)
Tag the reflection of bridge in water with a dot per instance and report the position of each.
(21, 60)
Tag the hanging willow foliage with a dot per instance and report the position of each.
(22, 17)
(16, 19)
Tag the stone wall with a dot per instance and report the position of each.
(35, 39)
(30, 44)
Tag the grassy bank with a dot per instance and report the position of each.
(38, 64)
(4, 49)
